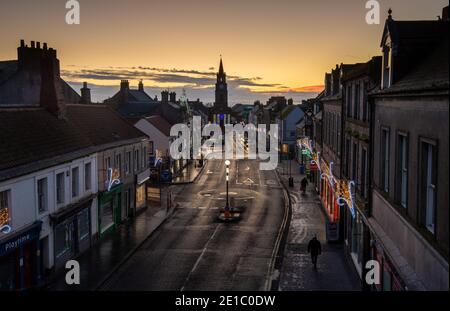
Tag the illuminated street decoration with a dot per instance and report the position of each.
(4, 220)
(345, 191)
(343, 188)
(112, 178)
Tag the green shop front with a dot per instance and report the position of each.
(109, 209)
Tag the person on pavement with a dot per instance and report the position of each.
(315, 248)
(303, 185)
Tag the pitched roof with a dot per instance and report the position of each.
(139, 96)
(100, 124)
(29, 137)
(160, 123)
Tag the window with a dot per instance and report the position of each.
(118, 163)
(127, 162)
(42, 195)
(365, 103)
(347, 157)
(63, 239)
(355, 163)
(386, 67)
(364, 172)
(60, 193)
(402, 170)
(5, 205)
(75, 182)
(107, 163)
(151, 150)
(356, 102)
(87, 176)
(428, 184)
(136, 160)
(144, 156)
(83, 224)
(349, 101)
(339, 134)
(384, 160)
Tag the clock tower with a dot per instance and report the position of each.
(221, 88)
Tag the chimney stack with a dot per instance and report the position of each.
(124, 85)
(85, 94)
(173, 97)
(445, 14)
(141, 86)
(165, 96)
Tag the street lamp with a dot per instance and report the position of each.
(227, 204)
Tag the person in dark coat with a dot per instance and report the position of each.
(315, 248)
(303, 185)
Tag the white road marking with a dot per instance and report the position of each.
(200, 257)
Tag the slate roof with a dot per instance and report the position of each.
(431, 74)
(160, 123)
(31, 136)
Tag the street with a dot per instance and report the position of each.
(194, 251)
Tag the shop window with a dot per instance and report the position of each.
(107, 219)
(140, 196)
(42, 195)
(60, 188)
(83, 225)
(63, 239)
(5, 206)
(87, 176)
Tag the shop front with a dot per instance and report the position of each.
(109, 209)
(332, 209)
(72, 231)
(390, 279)
(20, 261)
(141, 189)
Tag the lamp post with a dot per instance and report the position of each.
(227, 204)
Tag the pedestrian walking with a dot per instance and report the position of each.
(303, 185)
(315, 249)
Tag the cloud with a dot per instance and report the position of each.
(197, 83)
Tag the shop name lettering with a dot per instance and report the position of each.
(17, 243)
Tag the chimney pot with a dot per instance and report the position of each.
(45, 46)
(38, 45)
(22, 43)
(32, 44)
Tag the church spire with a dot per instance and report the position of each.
(221, 66)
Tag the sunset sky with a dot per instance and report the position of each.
(268, 47)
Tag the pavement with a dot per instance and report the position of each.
(188, 174)
(334, 271)
(103, 258)
(192, 250)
